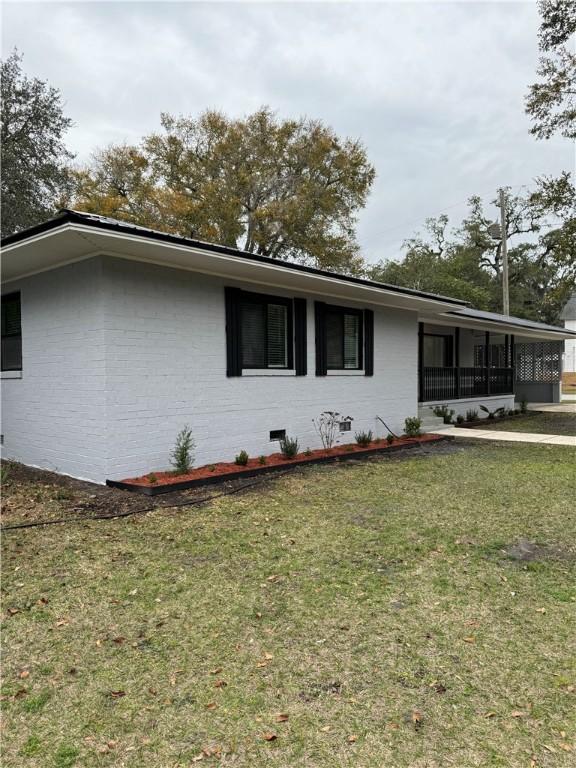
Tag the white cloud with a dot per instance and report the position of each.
(435, 90)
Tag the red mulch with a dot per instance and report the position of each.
(274, 460)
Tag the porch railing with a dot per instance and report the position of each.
(454, 383)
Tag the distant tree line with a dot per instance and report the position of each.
(292, 189)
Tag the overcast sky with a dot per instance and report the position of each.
(434, 90)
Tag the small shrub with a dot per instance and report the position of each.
(308, 452)
(412, 426)
(348, 448)
(364, 438)
(516, 411)
(524, 406)
(261, 459)
(182, 456)
(328, 427)
(152, 479)
(472, 414)
(289, 447)
(389, 438)
(459, 419)
(242, 459)
(493, 414)
(444, 412)
(212, 468)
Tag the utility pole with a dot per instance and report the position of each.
(505, 293)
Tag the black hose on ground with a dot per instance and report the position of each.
(142, 510)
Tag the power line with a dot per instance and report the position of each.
(442, 210)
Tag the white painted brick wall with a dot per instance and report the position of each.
(166, 367)
(54, 416)
(119, 356)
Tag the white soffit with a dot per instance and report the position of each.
(73, 242)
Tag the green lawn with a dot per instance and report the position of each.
(370, 614)
(540, 423)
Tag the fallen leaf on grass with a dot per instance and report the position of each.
(117, 694)
(417, 719)
(216, 670)
(470, 639)
(269, 736)
(490, 714)
(220, 684)
(119, 640)
(326, 728)
(20, 692)
(24, 674)
(352, 738)
(281, 717)
(517, 713)
(540, 610)
(62, 622)
(565, 747)
(212, 705)
(13, 611)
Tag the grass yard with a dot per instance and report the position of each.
(412, 613)
(546, 423)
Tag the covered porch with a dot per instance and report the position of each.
(461, 363)
(469, 357)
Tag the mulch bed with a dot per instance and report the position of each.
(165, 482)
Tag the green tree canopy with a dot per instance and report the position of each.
(34, 157)
(286, 189)
(551, 103)
(466, 262)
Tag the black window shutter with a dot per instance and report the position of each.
(300, 333)
(233, 332)
(320, 322)
(368, 342)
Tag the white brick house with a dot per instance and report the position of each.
(114, 337)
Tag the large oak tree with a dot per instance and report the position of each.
(287, 189)
(551, 102)
(34, 157)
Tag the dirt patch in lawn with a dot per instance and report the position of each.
(527, 551)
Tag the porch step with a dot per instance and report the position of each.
(429, 422)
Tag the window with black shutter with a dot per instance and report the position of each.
(11, 333)
(262, 332)
(344, 339)
(265, 332)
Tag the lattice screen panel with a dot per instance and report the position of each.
(538, 361)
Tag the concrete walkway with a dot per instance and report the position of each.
(553, 407)
(513, 437)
